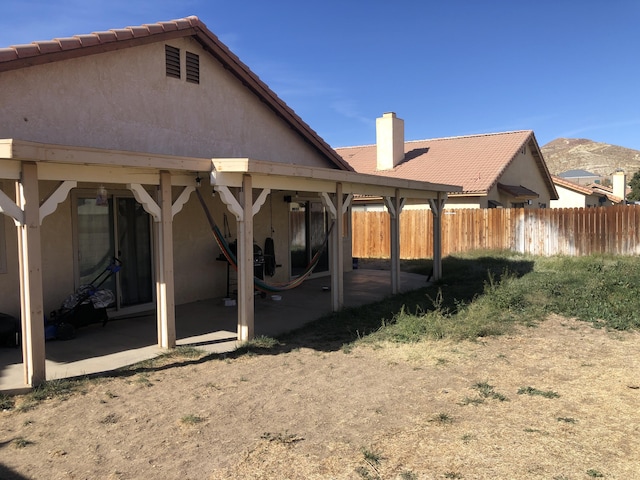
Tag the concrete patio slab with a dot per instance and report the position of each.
(208, 325)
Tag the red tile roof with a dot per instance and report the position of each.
(598, 188)
(475, 162)
(563, 182)
(594, 189)
(41, 52)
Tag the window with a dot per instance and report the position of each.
(193, 68)
(172, 57)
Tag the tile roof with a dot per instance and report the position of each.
(562, 182)
(598, 188)
(594, 189)
(475, 162)
(41, 52)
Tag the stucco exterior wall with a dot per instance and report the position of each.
(524, 171)
(198, 273)
(124, 100)
(57, 256)
(572, 199)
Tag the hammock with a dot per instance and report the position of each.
(258, 283)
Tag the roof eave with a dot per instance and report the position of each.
(532, 143)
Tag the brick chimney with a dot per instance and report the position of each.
(619, 181)
(389, 141)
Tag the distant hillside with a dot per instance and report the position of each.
(564, 154)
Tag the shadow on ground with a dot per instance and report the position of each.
(464, 280)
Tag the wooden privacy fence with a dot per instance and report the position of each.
(546, 231)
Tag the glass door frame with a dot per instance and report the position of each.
(306, 202)
(113, 195)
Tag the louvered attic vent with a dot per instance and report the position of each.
(193, 68)
(172, 56)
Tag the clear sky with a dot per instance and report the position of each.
(563, 68)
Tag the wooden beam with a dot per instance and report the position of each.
(30, 265)
(9, 207)
(223, 170)
(49, 153)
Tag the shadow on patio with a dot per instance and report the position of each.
(207, 325)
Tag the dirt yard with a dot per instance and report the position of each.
(436, 410)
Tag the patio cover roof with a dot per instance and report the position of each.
(29, 162)
(100, 165)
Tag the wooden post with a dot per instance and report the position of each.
(245, 263)
(30, 264)
(337, 254)
(165, 290)
(394, 207)
(437, 206)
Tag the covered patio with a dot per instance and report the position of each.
(207, 325)
(163, 185)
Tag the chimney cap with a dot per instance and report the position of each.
(389, 114)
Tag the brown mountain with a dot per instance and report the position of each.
(564, 154)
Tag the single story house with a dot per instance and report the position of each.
(574, 195)
(145, 143)
(494, 170)
(581, 176)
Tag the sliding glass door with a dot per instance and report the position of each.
(119, 228)
(308, 228)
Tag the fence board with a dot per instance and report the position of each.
(569, 231)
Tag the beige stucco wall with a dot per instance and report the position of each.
(198, 273)
(524, 171)
(123, 100)
(57, 256)
(568, 199)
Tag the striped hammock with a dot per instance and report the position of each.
(260, 284)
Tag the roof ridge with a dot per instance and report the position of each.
(474, 135)
(355, 146)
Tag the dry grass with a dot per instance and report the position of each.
(388, 411)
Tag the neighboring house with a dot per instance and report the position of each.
(581, 177)
(574, 195)
(618, 191)
(495, 170)
(103, 140)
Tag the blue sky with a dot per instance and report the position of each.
(563, 68)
